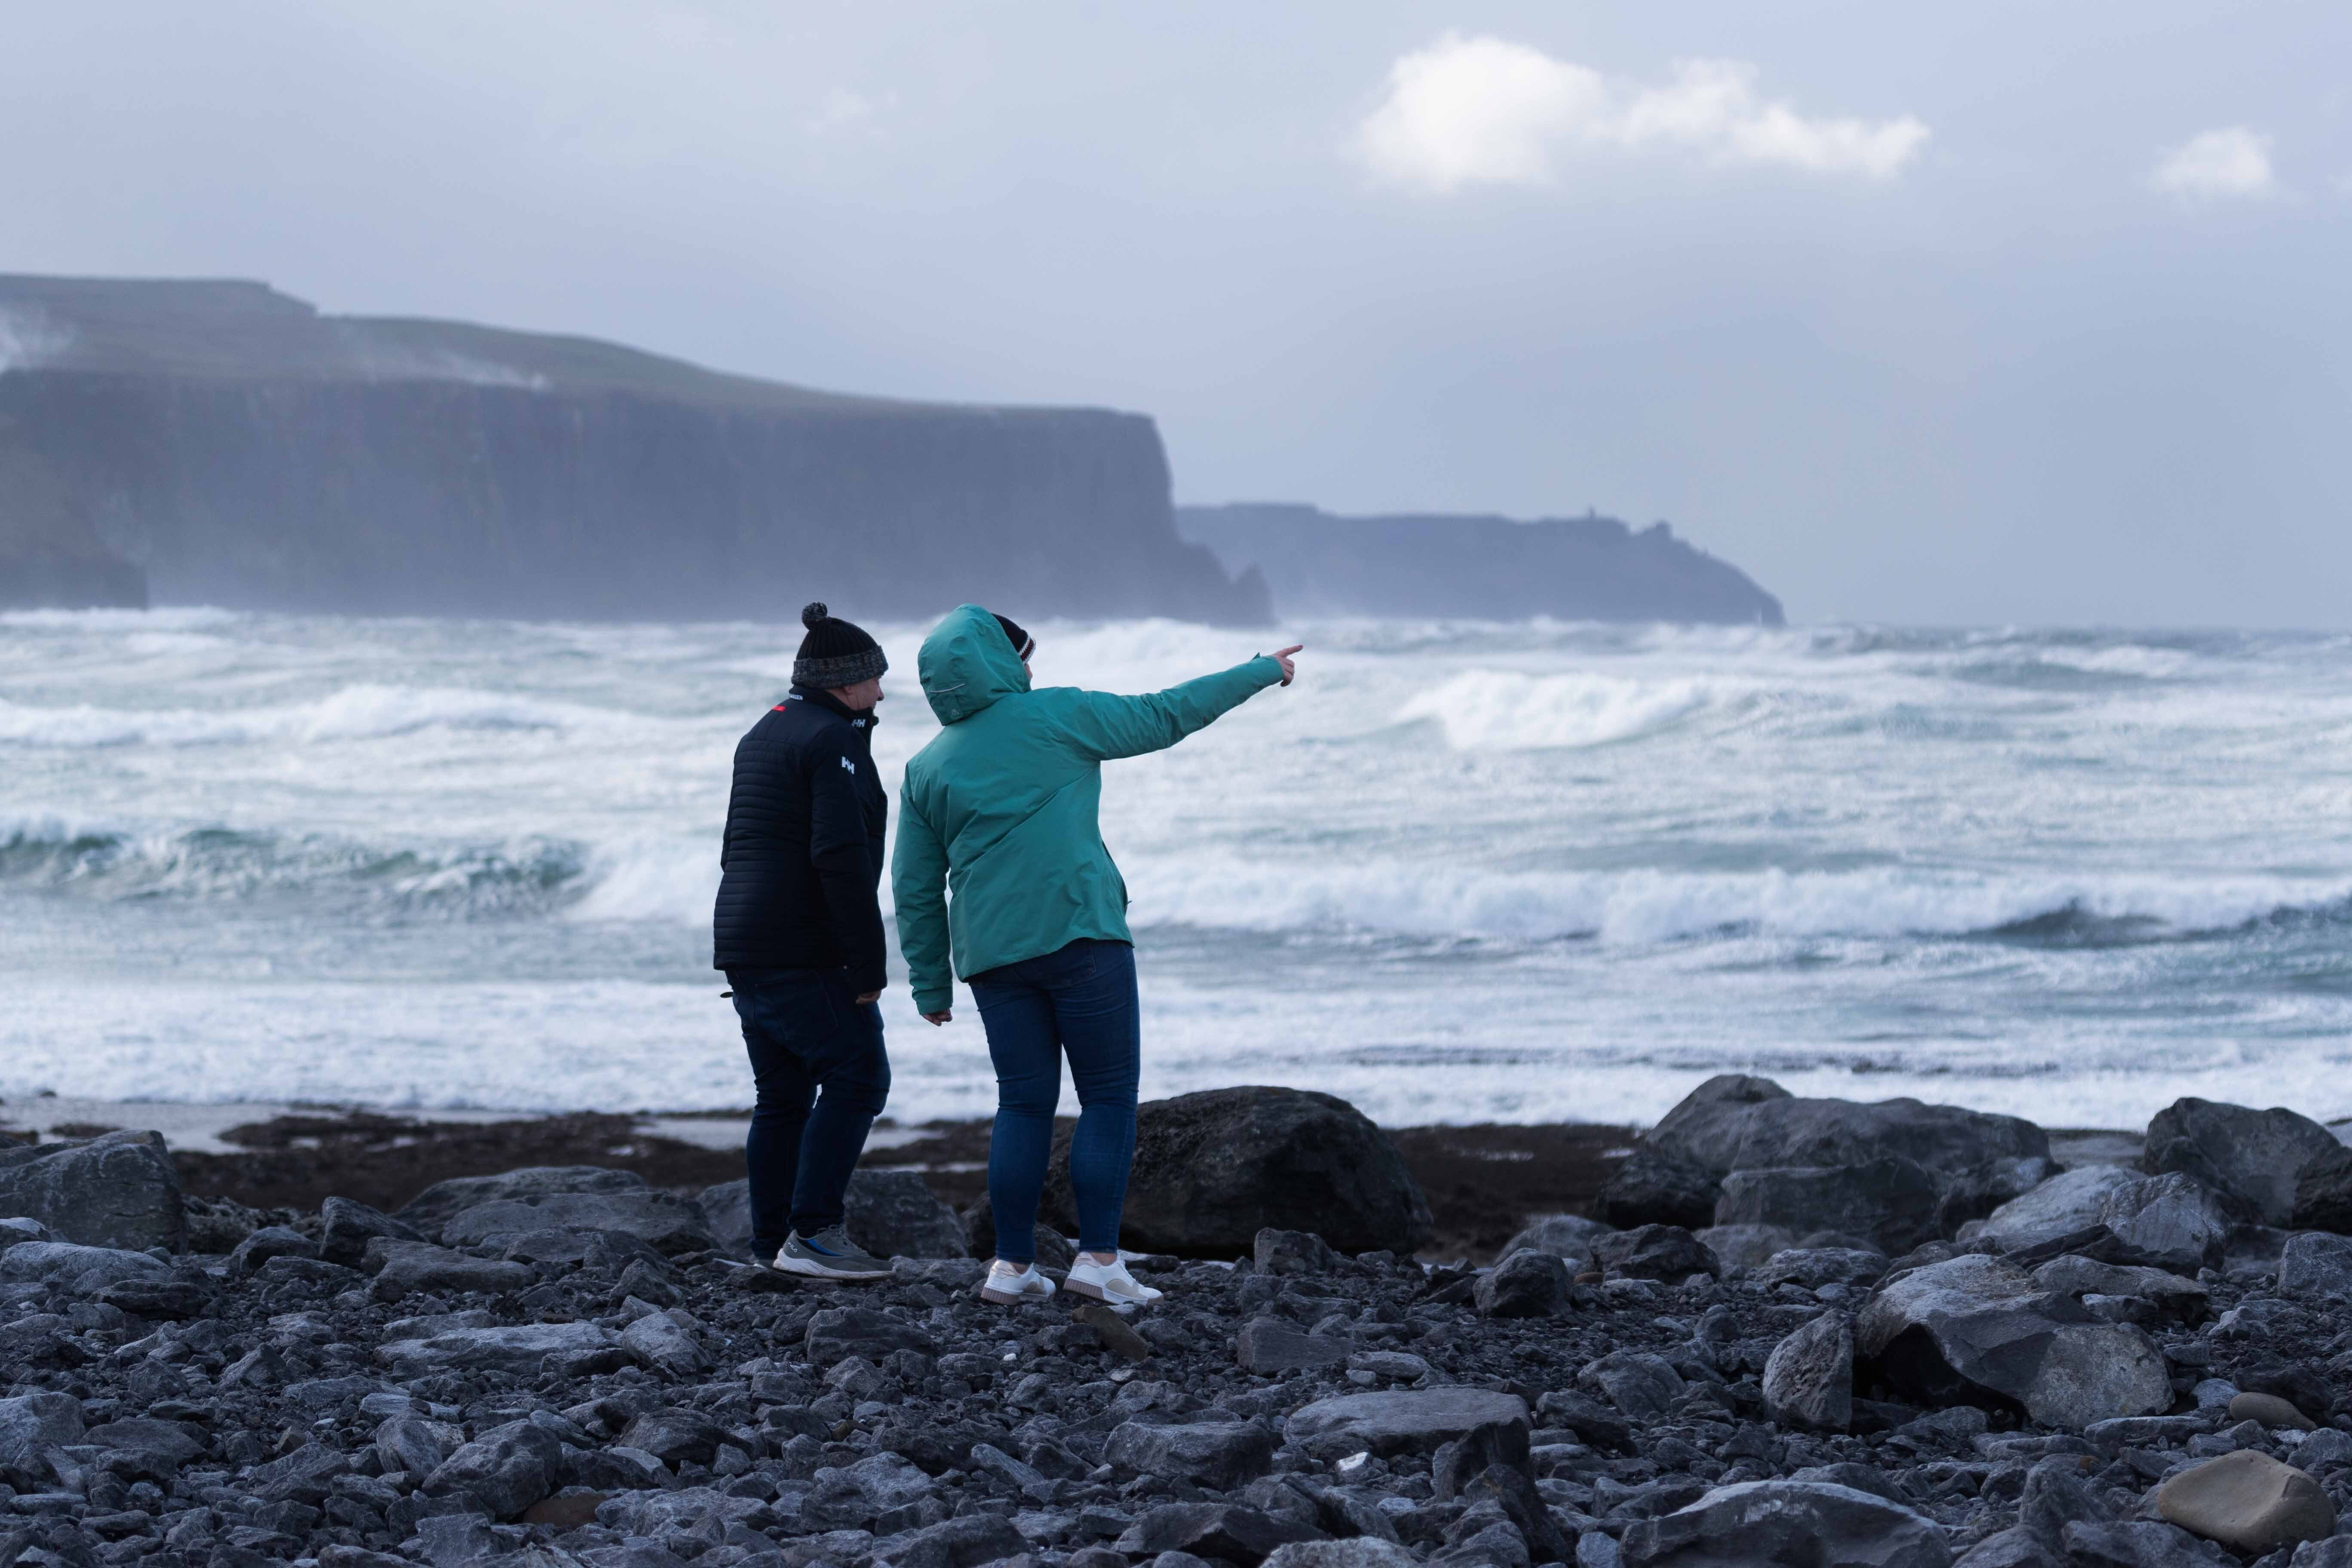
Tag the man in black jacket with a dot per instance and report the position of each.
(798, 932)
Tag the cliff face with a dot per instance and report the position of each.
(50, 556)
(248, 452)
(1488, 568)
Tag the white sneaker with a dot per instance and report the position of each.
(1109, 1283)
(1009, 1287)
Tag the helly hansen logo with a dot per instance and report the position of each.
(847, 764)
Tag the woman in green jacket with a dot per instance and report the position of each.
(1001, 807)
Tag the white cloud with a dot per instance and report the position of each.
(1485, 111)
(2229, 161)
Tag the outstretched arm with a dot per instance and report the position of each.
(1104, 726)
(919, 874)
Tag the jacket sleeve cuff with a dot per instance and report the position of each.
(934, 1001)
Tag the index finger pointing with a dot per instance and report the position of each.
(1286, 653)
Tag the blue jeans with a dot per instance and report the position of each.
(822, 1077)
(1080, 1001)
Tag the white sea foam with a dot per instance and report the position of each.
(1505, 710)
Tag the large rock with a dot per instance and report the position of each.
(1808, 1378)
(346, 1226)
(2069, 1202)
(1650, 1188)
(1270, 1345)
(503, 1471)
(1526, 1284)
(2251, 1157)
(1735, 1123)
(1214, 1169)
(82, 1270)
(2172, 1296)
(117, 1190)
(1567, 1237)
(402, 1267)
(1662, 1252)
(2170, 1222)
(966, 1542)
(1787, 1524)
(1976, 1331)
(1890, 1200)
(842, 1332)
(669, 1223)
(2316, 1265)
(142, 1445)
(523, 1348)
(2247, 1501)
(1642, 1384)
(892, 1214)
(2322, 1194)
(31, 1427)
(437, 1205)
(1401, 1421)
(1221, 1532)
(1218, 1455)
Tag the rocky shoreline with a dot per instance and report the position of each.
(1782, 1331)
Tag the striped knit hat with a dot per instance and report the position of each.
(834, 653)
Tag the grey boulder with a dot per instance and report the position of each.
(1212, 1169)
(346, 1226)
(1526, 1284)
(1269, 1345)
(2168, 1222)
(2251, 1157)
(2316, 1265)
(143, 1446)
(1218, 1455)
(31, 1426)
(892, 1214)
(1799, 1524)
(1814, 1266)
(1223, 1532)
(1733, 1123)
(1281, 1252)
(402, 1267)
(839, 1333)
(433, 1207)
(1808, 1378)
(1890, 1200)
(522, 1349)
(83, 1271)
(660, 1344)
(964, 1542)
(503, 1471)
(2069, 1202)
(1975, 1330)
(1566, 1236)
(1649, 1187)
(1642, 1385)
(669, 1223)
(1662, 1252)
(1399, 1421)
(2170, 1297)
(118, 1190)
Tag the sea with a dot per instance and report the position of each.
(1460, 872)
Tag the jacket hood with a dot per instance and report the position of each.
(968, 664)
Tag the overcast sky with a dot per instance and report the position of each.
(1922, 313)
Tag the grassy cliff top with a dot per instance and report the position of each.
(232, 330)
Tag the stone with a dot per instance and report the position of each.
(2012, 1547)
(1664, 1252)
(433, 1207)
(1744, 1246)
(674, 1436)
(2176, 1299)
(1566, 1236)
(1972, 1195)
(32, 1426)
(2252, 1158)
(2247, 1501)
(1270, 1345)
(1281, 1252)
(1644, 1385)
(1737, 1123)
(1592, 1421)
(660, 1344)
(1814, 1266)
(1799, 1524)
(268, 1243)
(1648, 1187)
(890, 1213)
(618, 1468)
(1891, 1200)
(2069, 1202)
(1525, 1284)
(2322, 1194)
(159, 1295)
(1215, 1168)
(81, 1270)
(1218, 1455)
(840, 1332)
(404, 1266)
(142, 1445)
(1116, 1334)
(567, 1511)
(1808, 1378)
(1223, 1532)
(17, 1228)
(964, 1542)
(2336, 1551)
(2316, 1265)
(504, 1470)
(1358, 1551)
(1976, 1328)
(669, 1223)
(1398, 1421)
(347, 1226)
(2271, 1411)
(2132, 1544)
(118, 1190)
(521, 1350)
(411, 1444)
(2168, 1222)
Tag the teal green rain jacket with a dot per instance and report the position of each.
(1002, 805)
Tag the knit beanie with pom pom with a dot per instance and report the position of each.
(834, 653)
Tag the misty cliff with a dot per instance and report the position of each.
(241, 449)
(1490, 568)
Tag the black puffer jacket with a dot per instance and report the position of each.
(802, 854)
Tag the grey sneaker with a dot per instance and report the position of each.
(830, 1254)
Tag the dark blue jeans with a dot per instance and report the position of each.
(1079, 1001)
(822, 1079)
